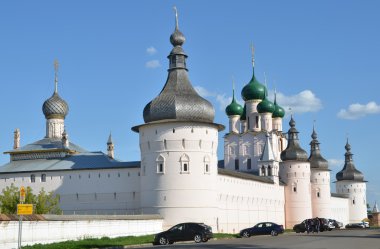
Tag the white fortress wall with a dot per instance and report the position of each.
(339, 209)
(243, 203)
(77, 227)
(98, 191)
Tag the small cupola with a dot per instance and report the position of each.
(279, 112)
(293, 151)
(234, 108)
(316, 159)
(265, 106)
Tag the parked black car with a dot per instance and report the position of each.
(301, 227)
(262, 228)
(198, 232)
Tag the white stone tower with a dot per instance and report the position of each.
(295, 172)
(55, 110)
(350, 181)
(178, 145)
(320, 181)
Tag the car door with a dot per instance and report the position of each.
(259, 229)
(268, 228)
(176, 233)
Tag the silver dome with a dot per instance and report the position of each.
(55, 107)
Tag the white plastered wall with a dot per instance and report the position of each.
(100, 191)
(243, 203)
(339, 209)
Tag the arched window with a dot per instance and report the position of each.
(206, 161)
(32, 178)
(269, 171)
(263, 170)
(249, 164)
(353, 202)
(160, 164)
(43, 178)
(185, 166)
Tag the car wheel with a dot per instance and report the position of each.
(297, 230)
(204, 239)
(163, 241)
(274, 233)
(246, 234)
(198, 238)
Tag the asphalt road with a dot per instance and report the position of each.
(339, 239)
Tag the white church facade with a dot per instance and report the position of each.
(265, 174)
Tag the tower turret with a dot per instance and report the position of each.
(295, 172)
(320, 180)
(110, 147)
(350, 181)
(178, 145)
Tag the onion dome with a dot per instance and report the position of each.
(349, 172)
(279, 112)
(265, 106)
(316, 160)
(293, 151)
(243, 116)
(234, 108)
(178, 100)
(254, 89)
(55, 106)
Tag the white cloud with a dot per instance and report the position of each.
(152, 64)
(151, 50)
(335, 162)
(303, 102)
(221, 99)
(356, 111)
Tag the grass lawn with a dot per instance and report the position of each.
(107, 242)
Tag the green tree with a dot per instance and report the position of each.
(9, 200)
(45, 203)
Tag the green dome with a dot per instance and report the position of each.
(253, 90)
(234, 108)
(265, 106)
(279, 112)
(243, 115)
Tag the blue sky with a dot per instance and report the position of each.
(322, 57)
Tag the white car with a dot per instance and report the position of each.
(366, 224)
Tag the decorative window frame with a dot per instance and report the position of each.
(160, 161)
(185, 164)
